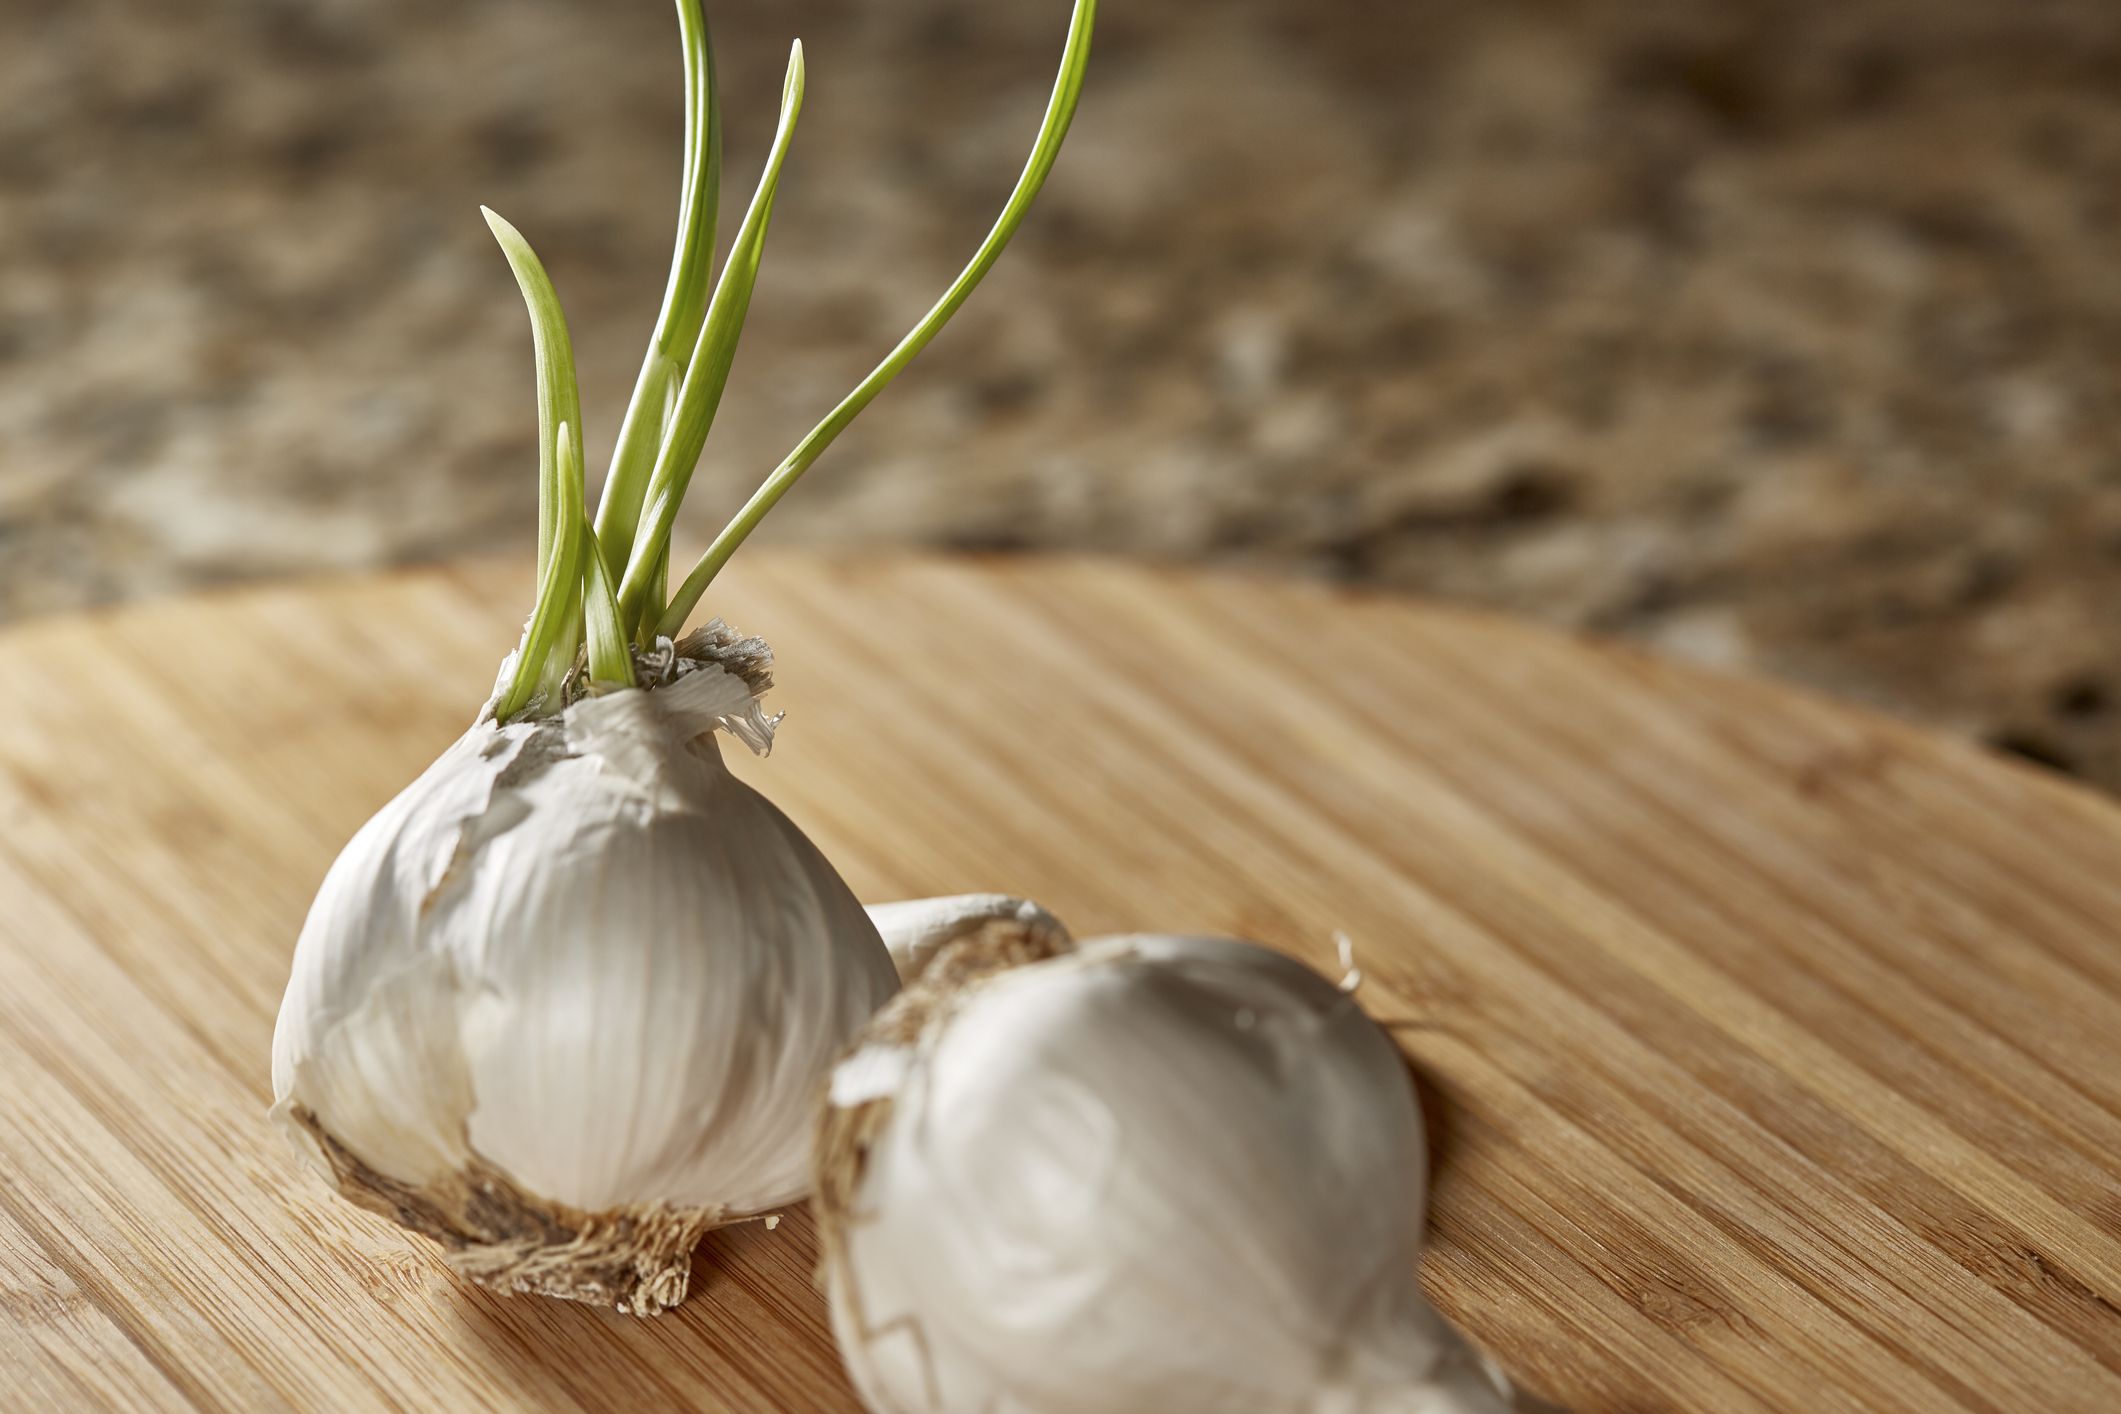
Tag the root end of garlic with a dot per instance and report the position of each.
(637, 1259)
(917, 931)
(938, 986)
(994, 946)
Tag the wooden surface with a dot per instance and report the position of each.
(1772, 1048)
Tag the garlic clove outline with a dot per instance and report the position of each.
(1154, 1173)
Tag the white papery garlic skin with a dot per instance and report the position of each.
(1164, 1174)
(564, 1003)
(915, 930)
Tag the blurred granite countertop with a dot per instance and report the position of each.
(1785, 337)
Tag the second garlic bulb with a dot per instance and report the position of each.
(1160, 1174)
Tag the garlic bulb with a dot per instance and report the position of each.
(565, 1001)
(563, 1004)
(1159, 1174)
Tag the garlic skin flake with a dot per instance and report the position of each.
(563, 1004)
(1164, 1174)
(915, 930)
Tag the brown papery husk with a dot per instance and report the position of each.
(636, 1259)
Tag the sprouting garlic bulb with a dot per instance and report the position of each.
(1160, 1174)
(565, 1003)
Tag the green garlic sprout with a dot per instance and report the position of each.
(603, 588)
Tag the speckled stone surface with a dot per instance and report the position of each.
(1786, 337)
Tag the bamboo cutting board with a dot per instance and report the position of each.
(1773, 1051)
